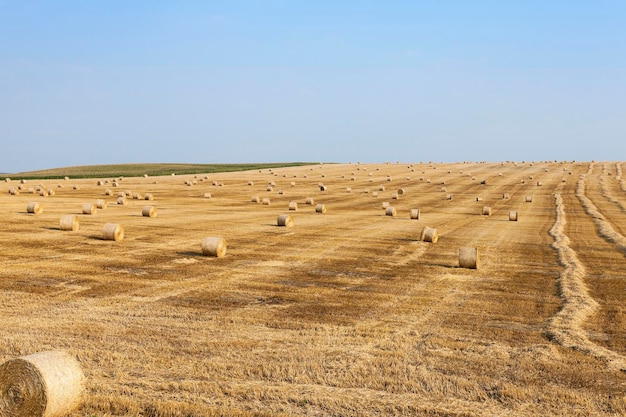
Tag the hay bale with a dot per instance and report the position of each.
(309, 201)
(269, 188)
(539, 184)
(468, 258)
(214, 246)
(7, 179)
(429, 234)
(293, 206)
(101, 204)
(414, 214)
(250, 183)
(443, 189)
(385, 205)
(43, 193)
(486, 211)
(400, 191)
(76, 187)
(107, 192)
(148, 197)
(323, 188)
(255, 199)
(381, 188)
(280, 191)
(529, 198)
(137, 196)
(449, 197)
(479, 199)
(374, 193)
(51, 192)
(505, 196)
(207, 195)
(113, 231)
(148, 211)
(121, 201)
(266, 201)
(44, 384)
(284, 220)
(395, 196)
(69, 222)
(89, 208)
(348, 189)
(390, 211)
(513, 215)
(14, 191)
(320, 208)
(34, 208)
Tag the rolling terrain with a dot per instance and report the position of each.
(347, 313)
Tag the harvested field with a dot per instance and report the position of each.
(343, 314)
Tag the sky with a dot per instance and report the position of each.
(107, 82)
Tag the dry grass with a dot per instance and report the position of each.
(344, 314)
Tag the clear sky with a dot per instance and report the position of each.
(98, 82)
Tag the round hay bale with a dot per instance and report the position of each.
(214, 246)
(207, 195)
(14, 191)
(121, 194)
(539, 184)
(51, 192)
(381, 188)
(101, 204)
(69, 222)
(255, 199)
(400, 191)
(43, 193)
(280, 191)
(309, 201)
(395, 196)
(250, 183)
(468, 258)
(22, 181)
(385, 205)
(31, 190)
(293, 184)
(414, 214)
(148, 211)
(486, 211)
(390, 211)
(479, 199)
(374, 193)
(320, 208)
(266, 201)
(44, 384)
(293, 206)
(323, 188)
(128, 193)
(348, 189)
(121, 201)
(137, 196)
(113, 231)
(429, 234)
(148, 197)
(284, 220)
(505, 196)
(269, 188)
(89, 208)
(34, 208)
(100, 183)
(449, 197)
(76, 187)
(529, 198)
(7, 179)
(107, 192)
(443, 189)
(513, 215)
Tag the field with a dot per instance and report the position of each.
(346, 313)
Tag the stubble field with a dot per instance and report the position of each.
(346, 313)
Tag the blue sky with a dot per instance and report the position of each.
(93, 82)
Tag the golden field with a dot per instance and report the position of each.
(346, 313)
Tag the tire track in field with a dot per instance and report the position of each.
(603, 227)
(566, 326)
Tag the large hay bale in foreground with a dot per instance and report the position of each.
(113, 231)
(429, 234)
(34, 208)
(44, 384)
(468, 258)
(284, 220)
(214, 246)
(69, 222)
